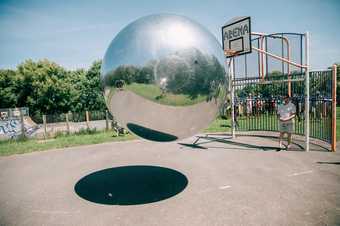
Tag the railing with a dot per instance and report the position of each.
(256, 103)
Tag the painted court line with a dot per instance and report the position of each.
(212, 189)
(224, 187)
(300, 173)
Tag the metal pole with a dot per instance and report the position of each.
(334, 83)
(279, 58)
(45, 126)
(237, 83)
(231, 73)
(307, 92)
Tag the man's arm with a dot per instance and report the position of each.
(293, 111)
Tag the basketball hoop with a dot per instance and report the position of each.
(230, 52)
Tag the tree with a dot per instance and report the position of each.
(90, 96)
(41, 86)
(8, 83)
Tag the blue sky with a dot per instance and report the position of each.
(75, 33)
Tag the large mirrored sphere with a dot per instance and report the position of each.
(163, 77)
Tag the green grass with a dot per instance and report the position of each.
(154, 93)
(25, 146)
(10, 147)
(219, 125)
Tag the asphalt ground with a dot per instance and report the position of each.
(246, 181)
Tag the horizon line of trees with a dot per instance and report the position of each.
(47, 88)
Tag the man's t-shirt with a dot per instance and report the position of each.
(285, 110)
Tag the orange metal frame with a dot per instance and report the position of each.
(334, 73)
(286, 60)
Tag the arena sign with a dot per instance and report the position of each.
(236, 36)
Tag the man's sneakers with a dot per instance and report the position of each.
(284, 147)
(281, 145)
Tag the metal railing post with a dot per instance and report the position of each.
(232, 96)
(307, 92)
(334, 83)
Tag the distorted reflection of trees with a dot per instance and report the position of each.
(189, 72)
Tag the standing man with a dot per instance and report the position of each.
(286, 112)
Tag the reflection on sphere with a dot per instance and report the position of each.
(163, 77)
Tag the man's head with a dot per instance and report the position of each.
(286, 99)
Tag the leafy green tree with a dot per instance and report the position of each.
(8, 83)
(41, 86)
(77, 79)
(91, 97)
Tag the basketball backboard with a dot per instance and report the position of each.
(236, 36)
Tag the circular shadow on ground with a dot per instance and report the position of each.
(131, 185)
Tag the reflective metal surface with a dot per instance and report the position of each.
(163, 77)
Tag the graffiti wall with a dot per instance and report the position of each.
(10, 128)
(10, 123)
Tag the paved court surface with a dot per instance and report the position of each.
(226, 184)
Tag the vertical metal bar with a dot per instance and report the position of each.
(266, 61)
(282, 55)
(232, 94)
(322, 125)
(307, 92)
(265, 112)
(245, 66)
(301, 53)
(334, 73)
(262, 58)
(270, 116)
(288, 68)
(259, 58)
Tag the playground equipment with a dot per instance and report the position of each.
(273, 66)
(163, 77)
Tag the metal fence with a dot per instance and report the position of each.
(72, 116)
(257, 100)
